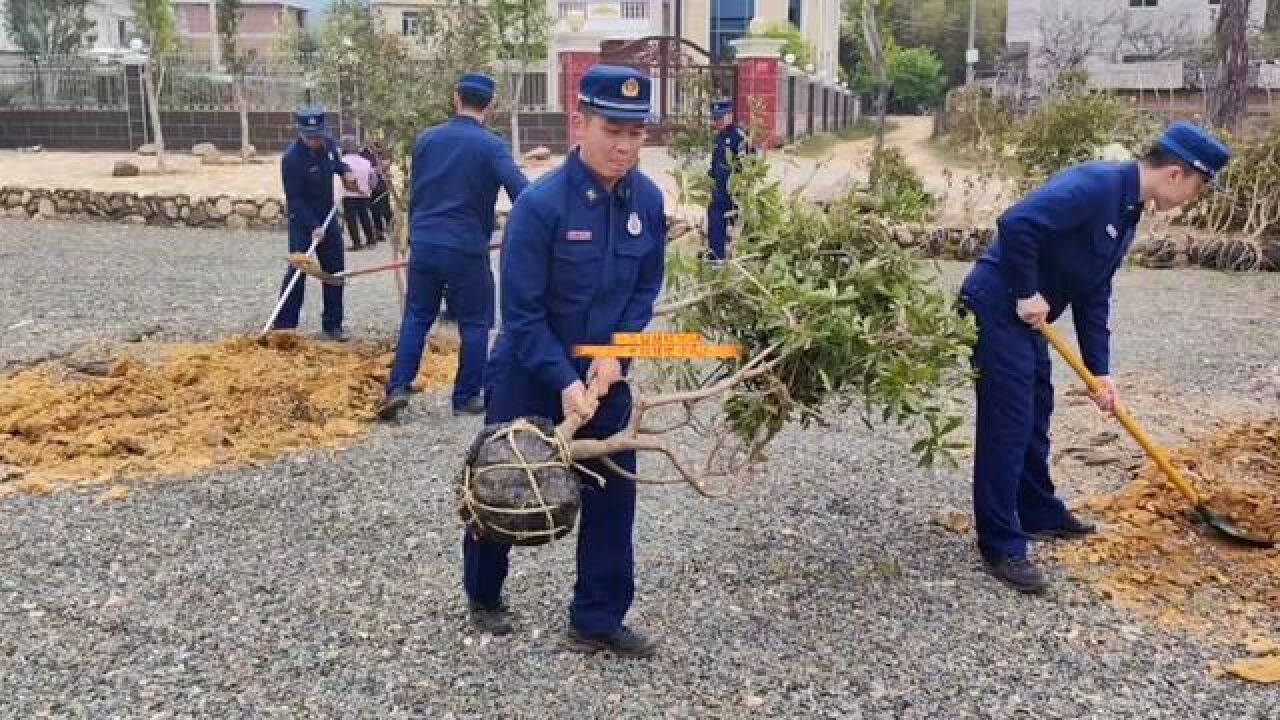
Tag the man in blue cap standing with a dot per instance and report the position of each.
(731, 143)
(454, 178)
(1059, 246)
(307, 169)
(582, 259)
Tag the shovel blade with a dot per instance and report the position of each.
(1229, 530)
(308, 265)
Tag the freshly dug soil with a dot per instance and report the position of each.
(152, 409)
(1151, 557)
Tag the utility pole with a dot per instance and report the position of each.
(971, 53)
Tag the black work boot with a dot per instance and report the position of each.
(392, 404)
(337, 335)
(493, 619)
(1072, 529)
(474, 406)
(1018, 572)
(624, 642)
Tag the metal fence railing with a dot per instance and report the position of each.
(277, 83)
(62, 82)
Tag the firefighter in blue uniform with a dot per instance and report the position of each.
(1058, 247)
(458, 168)
(582, 259)
(731, 142)
(307, 169)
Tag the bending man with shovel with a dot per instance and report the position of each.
(1059, 246)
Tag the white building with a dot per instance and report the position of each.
(112, 26)
(1128, 44)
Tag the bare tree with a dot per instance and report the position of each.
(1153, 38)
(1068, 37)
(1227, 103)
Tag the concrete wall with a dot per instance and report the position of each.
(260, 27)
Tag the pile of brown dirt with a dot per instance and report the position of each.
(157, 409)
(1150, 557)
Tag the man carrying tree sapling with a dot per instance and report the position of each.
(1059, 246)
(582, 258)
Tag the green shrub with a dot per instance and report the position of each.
(899, 191)
(1073, 128)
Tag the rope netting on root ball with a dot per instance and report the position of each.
(518, 484)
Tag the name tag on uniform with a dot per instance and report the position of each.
(1111, 230)
(578, 236)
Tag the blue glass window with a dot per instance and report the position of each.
(729, 20)
(793, 13)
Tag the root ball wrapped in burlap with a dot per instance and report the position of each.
(518, 484)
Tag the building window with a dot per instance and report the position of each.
(729, 20)
(793, 12)
(1149, 3)
(409, 23)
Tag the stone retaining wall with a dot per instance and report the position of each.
(237, 213)
(220, 211)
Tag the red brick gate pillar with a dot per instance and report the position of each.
(577, 52)
(759, 61)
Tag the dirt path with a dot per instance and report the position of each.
(966, 196)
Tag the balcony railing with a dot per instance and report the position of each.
(635, 9)
(628, 10)
(569, 6)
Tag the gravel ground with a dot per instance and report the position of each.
(328, 585)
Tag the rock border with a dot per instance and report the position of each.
(180, 210)
(268, 213)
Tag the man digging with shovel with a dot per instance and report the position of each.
(1059, 246)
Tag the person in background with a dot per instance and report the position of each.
(380, 203)
(458, 168)
(355, 204)
(307, 169)
(731, 143)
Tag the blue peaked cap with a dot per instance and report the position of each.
(617, 92)
(1196, 147)
(310, 121)
(477, 83)
(721, 107)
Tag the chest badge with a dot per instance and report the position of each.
(633, 224)
(1111, 230)
(591, 195)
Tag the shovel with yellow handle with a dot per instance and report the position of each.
(1223, 526)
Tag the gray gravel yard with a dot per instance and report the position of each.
(328, 584)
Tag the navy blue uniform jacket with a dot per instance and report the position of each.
(457, 169)
(1065, 240)
(574, 272)
(308, 183)
(730, 143)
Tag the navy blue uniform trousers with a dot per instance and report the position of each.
(717, 223)
(331, 258)
(1012, 491)
(466, 282)
(605, 559)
